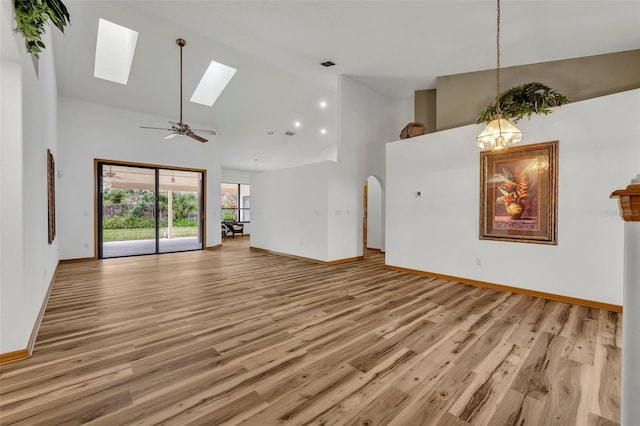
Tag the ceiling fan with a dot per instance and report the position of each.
(181, 128)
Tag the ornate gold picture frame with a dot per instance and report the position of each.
(518, 194)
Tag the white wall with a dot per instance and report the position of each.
(13, 327)
(335, 233)
(236, 176)
(366, 124)
(8, 37)
(599, 150)
(289, 210)
(374, 214)
(40, 118)
(88, 131)
(28, 117)
(345, 213)
(401, 112)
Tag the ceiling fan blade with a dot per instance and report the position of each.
(156, 128)
(171, 136)
(206, 132)
(196, 137)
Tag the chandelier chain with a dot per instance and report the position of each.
(500, 133)
(498, 112)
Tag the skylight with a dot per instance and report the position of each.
(114, 51)
(213, 82)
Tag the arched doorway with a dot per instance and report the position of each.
(373, 217)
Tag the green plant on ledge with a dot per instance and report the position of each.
(522, 101)
(31, 17)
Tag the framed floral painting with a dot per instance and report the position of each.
(518, 194)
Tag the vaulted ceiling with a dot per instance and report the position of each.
(393, 47)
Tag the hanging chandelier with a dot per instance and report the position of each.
(499, 133)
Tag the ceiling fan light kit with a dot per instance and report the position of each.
(181, 128)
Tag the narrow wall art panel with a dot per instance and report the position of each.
(51, 196)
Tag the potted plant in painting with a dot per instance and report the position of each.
(515, 187)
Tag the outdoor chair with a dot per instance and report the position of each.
(233, 228)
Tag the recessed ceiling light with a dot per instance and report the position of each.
(323, 104)
(115, 47)
(297, 124)
(212, 83)
(323, 131)
(327, 63)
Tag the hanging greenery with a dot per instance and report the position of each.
(522, 101)
(31, 17)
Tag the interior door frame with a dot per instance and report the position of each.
(97, 202)
(365, 215)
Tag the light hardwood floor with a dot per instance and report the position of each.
(240, 337)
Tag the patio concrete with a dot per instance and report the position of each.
(136, 247)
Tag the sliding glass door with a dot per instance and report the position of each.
(148, 210)
(180, 221)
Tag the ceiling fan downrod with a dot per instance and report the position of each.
(181, 42)
(182, 128)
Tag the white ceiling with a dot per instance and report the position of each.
(394, 47)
